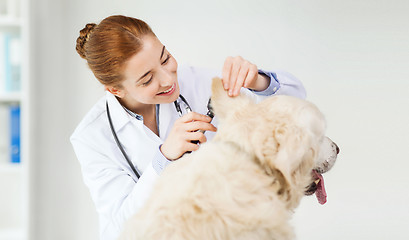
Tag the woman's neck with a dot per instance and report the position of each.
(147, 111)
(136, 107)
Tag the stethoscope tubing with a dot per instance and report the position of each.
(118, 143)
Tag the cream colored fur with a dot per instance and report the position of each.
(245, 183)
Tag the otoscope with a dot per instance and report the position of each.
(209, 113)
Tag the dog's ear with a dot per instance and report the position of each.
(285, 149)
(222, 104)
(291, 145)
(296, 153)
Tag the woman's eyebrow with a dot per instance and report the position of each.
(163, 50)
(144, 75)
(161, 55)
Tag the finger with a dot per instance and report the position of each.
(240, 80)
(190, 147)
(194, 116)
(251, 76)
(233, 75)
(198, 125)
(226, 72)
(197, 136)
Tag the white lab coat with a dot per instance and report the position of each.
(116, 192)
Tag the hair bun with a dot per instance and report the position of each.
(83, 38)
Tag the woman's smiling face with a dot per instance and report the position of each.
(150, 76)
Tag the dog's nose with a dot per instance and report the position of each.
(336, 147)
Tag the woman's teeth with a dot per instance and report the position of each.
(170, 89)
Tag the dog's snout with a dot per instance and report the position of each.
(336, 147)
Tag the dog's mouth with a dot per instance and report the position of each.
(327, 157)
(317, 187)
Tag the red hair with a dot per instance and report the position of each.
(108, 46)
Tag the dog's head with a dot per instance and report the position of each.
(285, 134)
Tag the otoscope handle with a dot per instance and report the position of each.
(209, 113)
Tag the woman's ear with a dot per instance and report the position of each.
(115, 91)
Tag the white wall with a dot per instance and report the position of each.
(352, 56)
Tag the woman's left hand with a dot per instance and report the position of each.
(238, 72)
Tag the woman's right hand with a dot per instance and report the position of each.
(184, 131)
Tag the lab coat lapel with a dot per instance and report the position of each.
(118, 115)
(167, 116)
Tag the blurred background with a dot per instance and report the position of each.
(351, 55)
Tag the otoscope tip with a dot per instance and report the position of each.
(210, 112)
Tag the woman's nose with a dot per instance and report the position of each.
(165, 78)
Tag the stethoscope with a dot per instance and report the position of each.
(181, 101)
(186, 106)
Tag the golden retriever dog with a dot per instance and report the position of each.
(247, 181)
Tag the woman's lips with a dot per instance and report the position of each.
(169, 91)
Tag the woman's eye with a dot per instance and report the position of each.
(147, 82)
(166, 60)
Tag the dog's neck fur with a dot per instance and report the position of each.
(279, 184)
(224, 134)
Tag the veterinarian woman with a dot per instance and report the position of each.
(143, 122)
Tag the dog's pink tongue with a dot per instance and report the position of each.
(320, 193)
